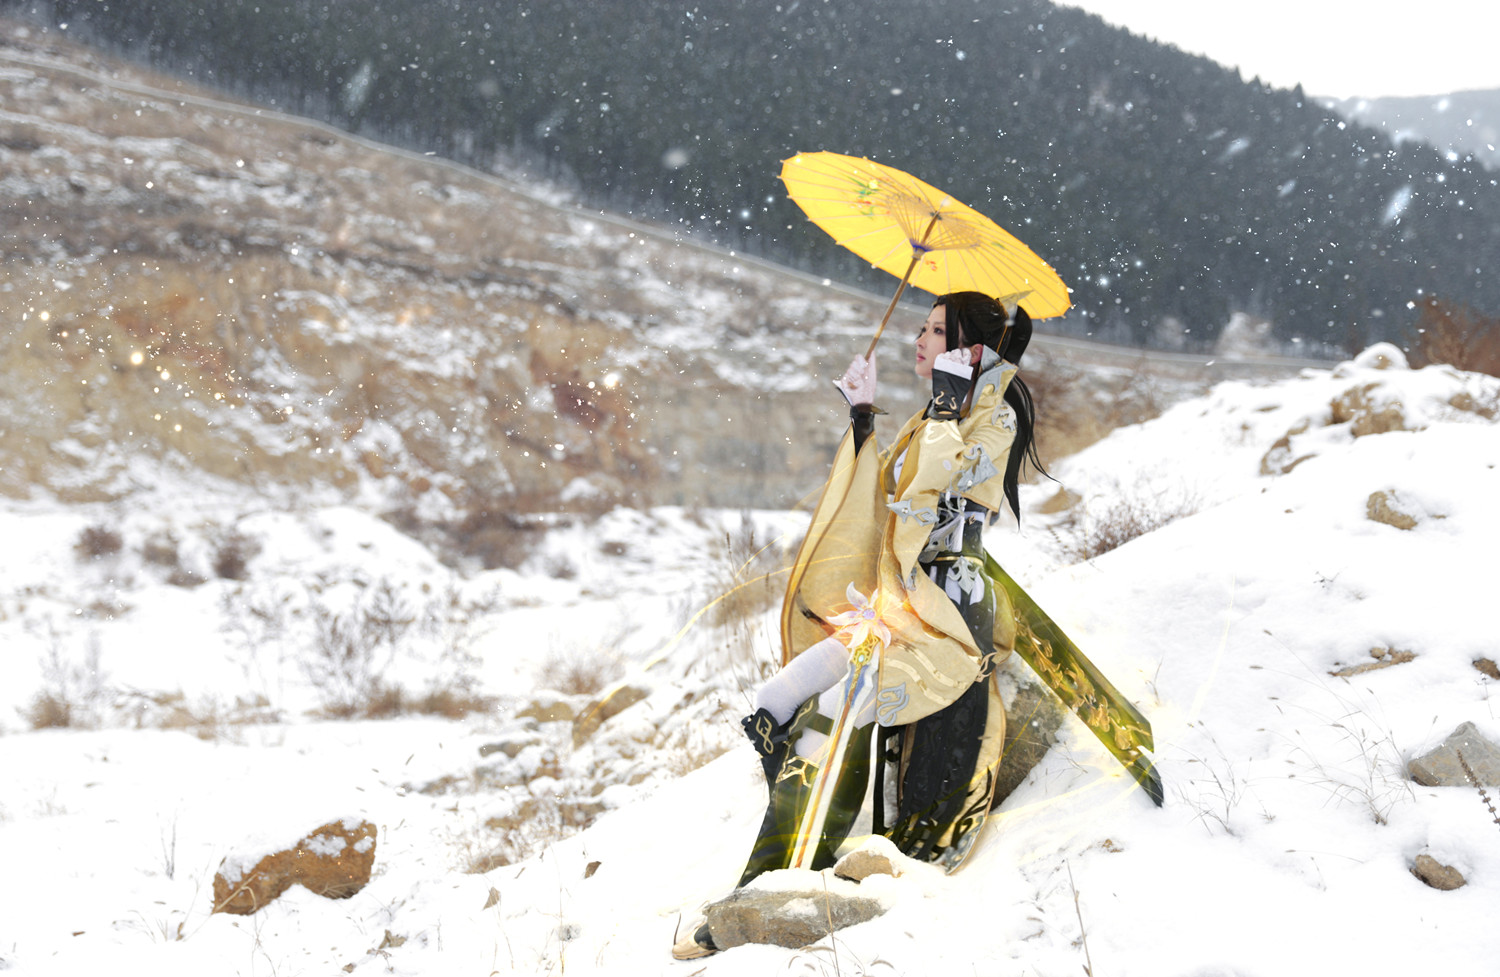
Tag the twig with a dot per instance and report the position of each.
(1469, 772)
(1088, 965)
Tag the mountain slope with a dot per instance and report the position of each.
(1169, 192)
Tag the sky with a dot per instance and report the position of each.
(1339, 48)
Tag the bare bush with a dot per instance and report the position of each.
(584, 671)
(71, 696)
(1458, 336)
(96, 542)
(232, 555)
(1127, 515)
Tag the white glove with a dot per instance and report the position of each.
(955, 361)
(858, 382)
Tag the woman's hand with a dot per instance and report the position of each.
(951, 373)
(858, 382)
(958, 361)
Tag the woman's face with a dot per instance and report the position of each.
(932, 340)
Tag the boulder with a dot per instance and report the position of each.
(789, 918)
(332, 860)
(1032, 717)
(1436, 874)
(1386, 507)
(1440, 767)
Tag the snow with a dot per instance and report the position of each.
(1284, 846)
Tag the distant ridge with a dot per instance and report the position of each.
(1458, 123)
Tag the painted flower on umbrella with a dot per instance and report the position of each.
(863, 622)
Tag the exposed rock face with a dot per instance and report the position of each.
(1436, 874)
(790, 918)
(333, 860)
(1440, 767)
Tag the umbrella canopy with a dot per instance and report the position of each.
(919, 233)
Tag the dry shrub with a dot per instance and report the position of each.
(48, 710)
(233, 554)
(96, 542)
(577, 671)
(160, 549)
(1458, 336)
(390, 701)
(1127, 515)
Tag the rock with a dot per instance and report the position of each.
(874, 857)
(333, 860)
(549, 707)
(1436, 874)
(511, 745)
(1382, 356)
(1279, 459)
(1381, 658)
(1385, 507)
(1358, 407)
(789, 918)
(1032, 718)
(1061, 501)
(1440, 767)
(610, 704)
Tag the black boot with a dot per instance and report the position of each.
(790, 788)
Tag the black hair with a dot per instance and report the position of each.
(973, 317)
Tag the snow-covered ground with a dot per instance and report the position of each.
(1284, 847)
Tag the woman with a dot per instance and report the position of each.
(900, 529)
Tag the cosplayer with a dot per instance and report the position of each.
(897, 535)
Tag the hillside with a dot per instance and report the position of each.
(1294, 644)
(1167, 190)
(212, 294)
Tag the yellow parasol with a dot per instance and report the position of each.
(921, 234)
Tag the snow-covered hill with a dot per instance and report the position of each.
(1284, 847)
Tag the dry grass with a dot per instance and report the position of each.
(747, 577)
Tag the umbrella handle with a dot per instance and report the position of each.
(892, 307)
(916, 255)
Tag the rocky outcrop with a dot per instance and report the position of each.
(332, 860)
(1441, 766)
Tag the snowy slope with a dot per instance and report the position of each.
(1283, 849)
